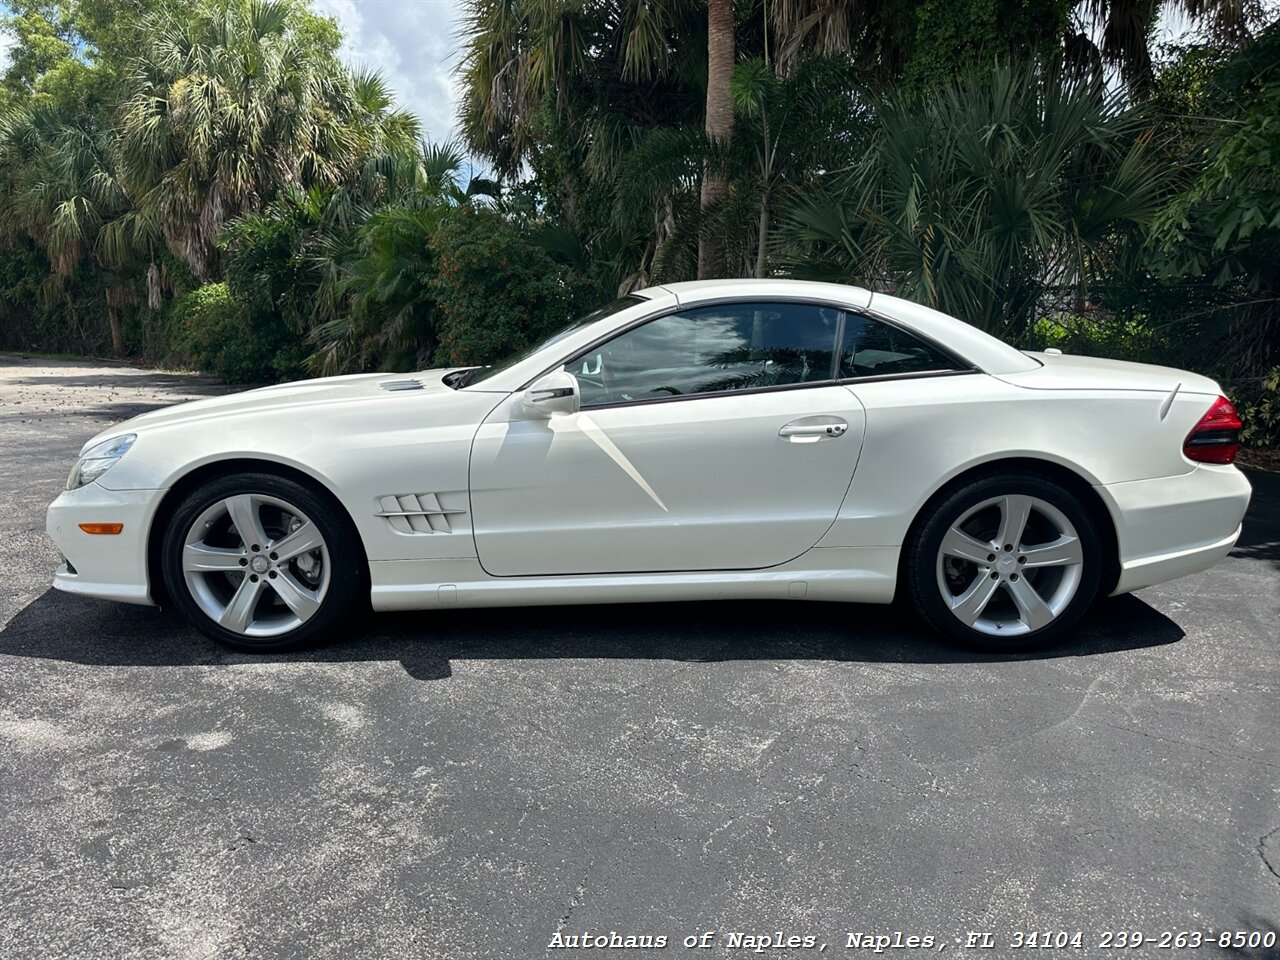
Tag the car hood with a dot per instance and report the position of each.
(1066, 372)
(322, 391)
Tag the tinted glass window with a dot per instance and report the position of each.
(875, 349)
(739, 346)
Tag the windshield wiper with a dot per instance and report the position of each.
(460, 378)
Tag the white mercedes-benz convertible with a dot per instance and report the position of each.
(719, 439)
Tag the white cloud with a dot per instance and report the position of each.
(414, 45)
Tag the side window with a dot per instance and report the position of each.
(737, 346)
(875, 349)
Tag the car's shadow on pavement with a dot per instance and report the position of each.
(56, 626)
(1260, 538)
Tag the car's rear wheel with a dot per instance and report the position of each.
(1005, 563)
(261, 563)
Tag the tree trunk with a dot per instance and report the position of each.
(663, 230)
(766, 161)
(117, 332)
(761, 242)
(720, 55)
(570, 197)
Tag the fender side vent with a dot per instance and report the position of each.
(416, 513)
(394, 385)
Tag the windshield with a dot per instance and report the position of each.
(480, 374)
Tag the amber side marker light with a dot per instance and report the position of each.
(105, 528)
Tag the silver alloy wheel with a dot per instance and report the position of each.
(1010, 565)
(256, 565)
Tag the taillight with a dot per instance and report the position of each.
(1216, 438)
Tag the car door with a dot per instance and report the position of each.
(711, 438)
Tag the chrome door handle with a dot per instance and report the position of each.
(817, 431)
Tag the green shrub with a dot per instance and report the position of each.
(34, 319)
(497, 292)
(1111, 337)
(1259, 407)
(212, 332)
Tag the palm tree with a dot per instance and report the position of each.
(536, 71)
(791, 128)
(349, 269)
(518, 55)
(985, 196)
(203, 114)
(1118, 31)
(824, 26)
(226, 108)
(63, 192)
(597, 72)
(1126, 28)
(719, 126)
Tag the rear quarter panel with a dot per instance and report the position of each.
(922, 433)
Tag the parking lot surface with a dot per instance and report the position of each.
(481, 784)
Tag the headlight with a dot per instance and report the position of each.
(98, 459)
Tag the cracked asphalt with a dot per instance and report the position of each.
(466, 784)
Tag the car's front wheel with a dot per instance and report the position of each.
(1005, 563)
(261, 563)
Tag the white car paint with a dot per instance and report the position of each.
(712, 484)
(461, 498)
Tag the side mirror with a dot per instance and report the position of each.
(554, 393)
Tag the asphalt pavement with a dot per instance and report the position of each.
(485, 784)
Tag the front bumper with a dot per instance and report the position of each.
(112, 567)
(1170, 527)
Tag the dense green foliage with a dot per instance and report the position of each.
(130, 139)
(224, 338)
(209, 186)
(984, 195)
(496, 293)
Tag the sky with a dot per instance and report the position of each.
(413, 44)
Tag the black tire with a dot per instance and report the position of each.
(348, 571)
(921, 561)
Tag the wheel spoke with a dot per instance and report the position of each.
(970, 604)
(202, 558)
(957, 543)
(268, 596)
(239, 612)
(1014, 511)
(303, 540)
(1059, 553)
(299, 599)
(1034, 611)
(244, 515)
(1030, 601)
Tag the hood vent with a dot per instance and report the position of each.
(401, 384)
